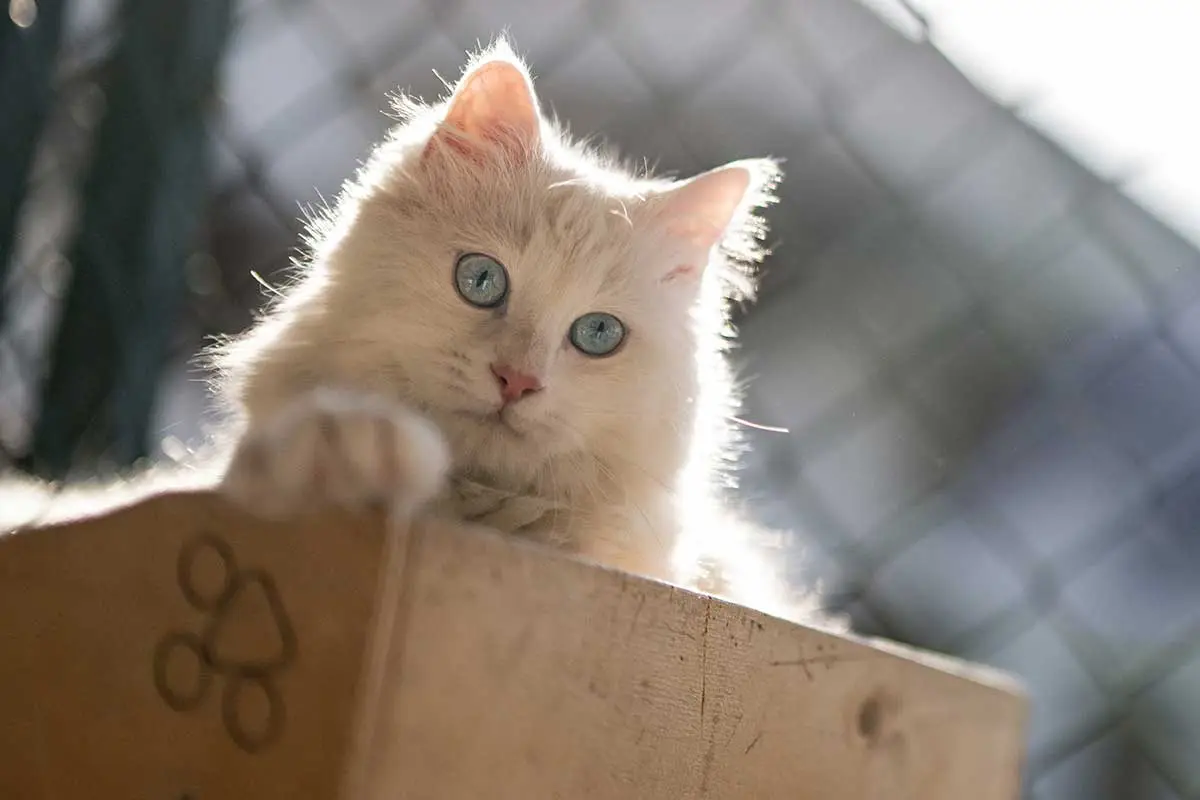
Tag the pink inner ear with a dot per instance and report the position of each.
(701, 209)
(695, 231)
(493, 103)
(696, 214)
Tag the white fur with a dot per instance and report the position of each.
(618, 459)
(368, 450)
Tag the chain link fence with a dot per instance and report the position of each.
(986, 357)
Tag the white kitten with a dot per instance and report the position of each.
(519, 331)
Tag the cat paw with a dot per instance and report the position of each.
(337, 449)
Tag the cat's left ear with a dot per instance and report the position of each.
(493, 111)
(714, 208)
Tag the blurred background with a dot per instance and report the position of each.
(981, 324)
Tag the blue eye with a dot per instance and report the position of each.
(597, 333)
(481, 280)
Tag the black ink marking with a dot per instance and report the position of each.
(176, 645)
(246, 582)
(806, 663)
(186, 570)
(803, 663)
(241, 675)
(252, 741)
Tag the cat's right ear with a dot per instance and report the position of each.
(492, 112)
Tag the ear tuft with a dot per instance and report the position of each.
(493, 108)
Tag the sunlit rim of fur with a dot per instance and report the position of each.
(596, 162)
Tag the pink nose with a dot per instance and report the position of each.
(514, 384)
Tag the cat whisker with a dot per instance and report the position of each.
(757, 426)
(263, 283)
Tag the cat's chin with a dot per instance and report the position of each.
(508, 448)
(526, 436)
(496, 422)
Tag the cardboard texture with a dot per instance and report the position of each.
(177, 649)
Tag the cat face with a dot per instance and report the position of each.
(505, 366)
(538, 305)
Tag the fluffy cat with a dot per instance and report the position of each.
(497, 324)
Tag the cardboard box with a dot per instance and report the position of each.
(177, 649)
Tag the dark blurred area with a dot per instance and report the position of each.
(987, 357)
